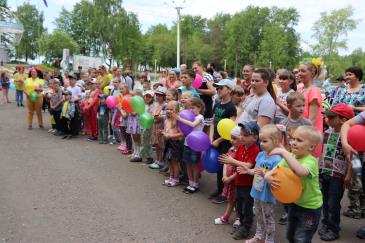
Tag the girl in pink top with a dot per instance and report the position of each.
(313, 99)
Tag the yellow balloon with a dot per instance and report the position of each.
(290, 188)
(225, 127)
(106, 90)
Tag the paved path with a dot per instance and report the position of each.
(53, 190)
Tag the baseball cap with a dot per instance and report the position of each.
(340, 110)
(225, 82)
(236, 132)
(250, 128)
(149, 92)
(161, 90)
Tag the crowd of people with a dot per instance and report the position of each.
(280, 122)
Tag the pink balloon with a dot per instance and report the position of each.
(111, 102)
(197, 81)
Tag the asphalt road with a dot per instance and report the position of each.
(52, 190)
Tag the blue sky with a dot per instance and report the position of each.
(151, 12)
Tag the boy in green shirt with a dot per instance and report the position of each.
(303, 215)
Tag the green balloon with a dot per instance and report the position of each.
(137, 104)
(146, 120)
(33, 96)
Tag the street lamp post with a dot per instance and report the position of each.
(178, 37)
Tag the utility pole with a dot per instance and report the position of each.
(178, 10)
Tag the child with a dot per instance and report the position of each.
(103, 118)
(246, 155)
(19, 86)
(146, 148)
(238, 96)
(171, 95)
(334, 172)
(173, 144)
(224, 109)
(287, 86)
(185, 100)
(134, 129)
(190, 157)
(270, 138)
(67, 114)
(229, 175)
(126, 144)
(350, 152)
(295, 103)
(187, 78)
(305, 213)
(156, 139)
(56, 100)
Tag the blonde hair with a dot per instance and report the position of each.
(188, 94)
(197, 102)
(138, 92)
(312, 134)
(274, 133)
(294, 97)
(174, 104)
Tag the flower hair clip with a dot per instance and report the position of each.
(317, 62)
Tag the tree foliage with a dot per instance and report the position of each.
(32, 21)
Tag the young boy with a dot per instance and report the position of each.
(187, 78)
(67, 114)
(103, 119)
(305, 213)
(295, 102)
(349, 151)
(334, 172)
(224, 109)
(245, 155)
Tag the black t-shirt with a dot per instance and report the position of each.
(207, 99)
(220, 112)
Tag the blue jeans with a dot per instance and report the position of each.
(332, 191)
(19, 97)
(302, 223)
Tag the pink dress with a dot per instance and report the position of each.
(314, 94)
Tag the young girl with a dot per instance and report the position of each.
(287, 86)
(304, 214)
(146, 148)
(5, 83)
(115, 114)
(171, 95)
(159, 106)
(173, 144)
(126, 141)
(134, 129)
(191, 158)
(229, 175)
(185, 100)
(270, 138)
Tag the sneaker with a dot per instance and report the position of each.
(236, 223)
(69, 137)
(360, 233)
(21, 105)
(351, 214)
(191, 189)
(214, 195)
(323, 230)
(220, 221)
(135, 159)
(149, 161)
(220, 200)
(283, 220)
(58, 133)
(92, 139)
(65, 136)
(173, 182)
(50, 130)
(167, 181)
(329, 236)
(240, 234)
(255, 240)
(155, 165)
(164, 169)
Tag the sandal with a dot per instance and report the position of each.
(255, 240)
(167, 181)
(173, 182)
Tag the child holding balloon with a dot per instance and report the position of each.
(126, 144)
(270, 137)
(134, 129)
(146, 147)
(173, 144)
(304, 214)
(190, 157)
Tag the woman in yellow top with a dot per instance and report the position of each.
(19, 85)
(34, 84)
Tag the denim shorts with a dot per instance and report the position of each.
(190, 156)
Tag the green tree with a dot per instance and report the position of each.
(52, 45)
(330, 33)
(32, 21)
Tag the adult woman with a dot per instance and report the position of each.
(34, 84)
(163, 78)
(5, 83)
(173, 82)
(247, 71)
(353, 94)
(260, 105)
(206, 91)
(313, 98)
(91, 107)
(66, 80)
(56, 105)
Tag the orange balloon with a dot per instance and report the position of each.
(290, 188)
(126, 104)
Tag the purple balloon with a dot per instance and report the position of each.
(198, 141)
(187, 115)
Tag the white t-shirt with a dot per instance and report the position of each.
(76, 92)
(199, 127)
(258, 106)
